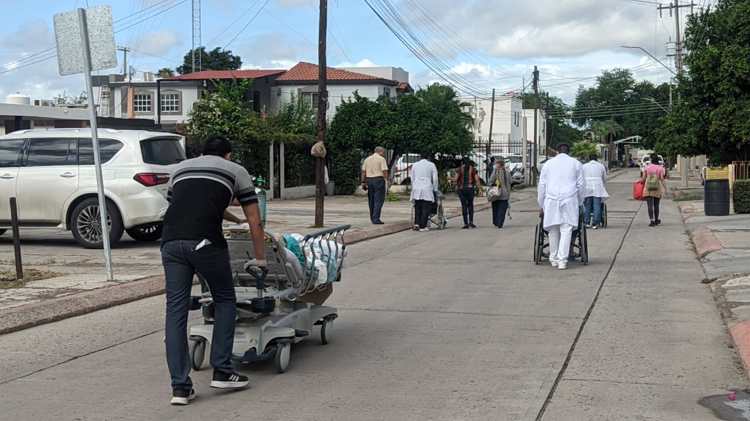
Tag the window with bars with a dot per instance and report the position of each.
(142, 103)
(171, 102)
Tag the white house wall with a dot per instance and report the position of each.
(337, 94)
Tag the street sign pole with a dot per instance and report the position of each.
(95, 142)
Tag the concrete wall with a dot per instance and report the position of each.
(507, 124)
(390, 73)
(189, 97)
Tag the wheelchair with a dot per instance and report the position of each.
(579, 245)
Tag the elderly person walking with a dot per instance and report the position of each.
(499, 193)
(595, 176)
(374, 176)
(560, 194)
(424, 184)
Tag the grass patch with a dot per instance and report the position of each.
(392, 197)
(8, 277)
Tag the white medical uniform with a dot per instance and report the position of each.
(560, 194)
(595, 177)
(424, 180)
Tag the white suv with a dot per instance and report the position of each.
(51, 174)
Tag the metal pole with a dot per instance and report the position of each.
(95, 143)
(320, 187)
(536, 135)
(16, 238)
(678, 63)
(487, 169)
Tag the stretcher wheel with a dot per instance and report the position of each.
(282, 357)
(325, 331)
(197, 353)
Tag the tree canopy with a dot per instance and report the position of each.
(636, 107)
(430, 121)
(713, 102)
(216, 59)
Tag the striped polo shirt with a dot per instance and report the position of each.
(200, 190)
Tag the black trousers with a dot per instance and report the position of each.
(421, 212)
(375, 197)
(653, 207)
(499, 210)
(466, 196)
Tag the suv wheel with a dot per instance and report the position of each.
(147, 232)
(86, 226)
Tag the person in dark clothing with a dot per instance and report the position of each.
(500, 179)
(200, 190)
(467, 180)
(374, 176)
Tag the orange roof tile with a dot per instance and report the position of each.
(308, 72)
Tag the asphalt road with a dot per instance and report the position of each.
(451, 325)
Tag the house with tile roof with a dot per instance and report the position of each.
(301, 83)
(271, 89)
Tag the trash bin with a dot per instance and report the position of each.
(716, 197)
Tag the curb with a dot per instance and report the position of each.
(55, 309)
(705, 241)
(740, 333)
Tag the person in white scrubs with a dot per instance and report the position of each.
(424, 183)
(595, 177)
(560, 195)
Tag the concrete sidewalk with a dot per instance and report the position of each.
(78, 284)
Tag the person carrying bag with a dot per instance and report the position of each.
(499, 194)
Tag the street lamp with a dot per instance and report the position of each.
(650, 55)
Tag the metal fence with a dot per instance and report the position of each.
(741, 170)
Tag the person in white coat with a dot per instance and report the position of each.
(595, 177)
(424, 183)
(560, 194)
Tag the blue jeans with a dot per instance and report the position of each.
(592, 205)
(181, 262)
(375, 197)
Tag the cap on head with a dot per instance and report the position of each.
(217, 146)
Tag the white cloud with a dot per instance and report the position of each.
(158, 43)
(295, 3)
(362, 63)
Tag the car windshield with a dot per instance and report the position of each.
(162, 151)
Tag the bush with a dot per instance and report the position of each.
(742, 196)
(584, 149)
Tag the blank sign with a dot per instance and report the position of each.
(101, 40)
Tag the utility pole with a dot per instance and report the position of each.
(534, 171)
(320, 187)
(125, 51)
(489, 138)
(674, 10)
(547, 126)
(196, 56)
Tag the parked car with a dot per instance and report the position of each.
(402, 168)
(51, 173)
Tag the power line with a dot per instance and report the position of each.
(263, 6)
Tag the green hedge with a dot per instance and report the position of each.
(742, 196)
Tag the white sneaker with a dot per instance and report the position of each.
(182, 397)
(424, 230)
(562, 265)
(596, 227)
(554, 263)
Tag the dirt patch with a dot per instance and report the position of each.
(8, 277)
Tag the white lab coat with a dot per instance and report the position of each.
(424, 180)
(595, 177)
(560, 190)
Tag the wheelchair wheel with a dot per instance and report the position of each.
(584, 245)
(538, 244)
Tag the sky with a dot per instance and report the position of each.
(485, 43)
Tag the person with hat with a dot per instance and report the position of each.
(560, 195)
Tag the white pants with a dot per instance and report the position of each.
(559, 242)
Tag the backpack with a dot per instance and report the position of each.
(652, 183)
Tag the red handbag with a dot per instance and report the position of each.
(638, 187)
